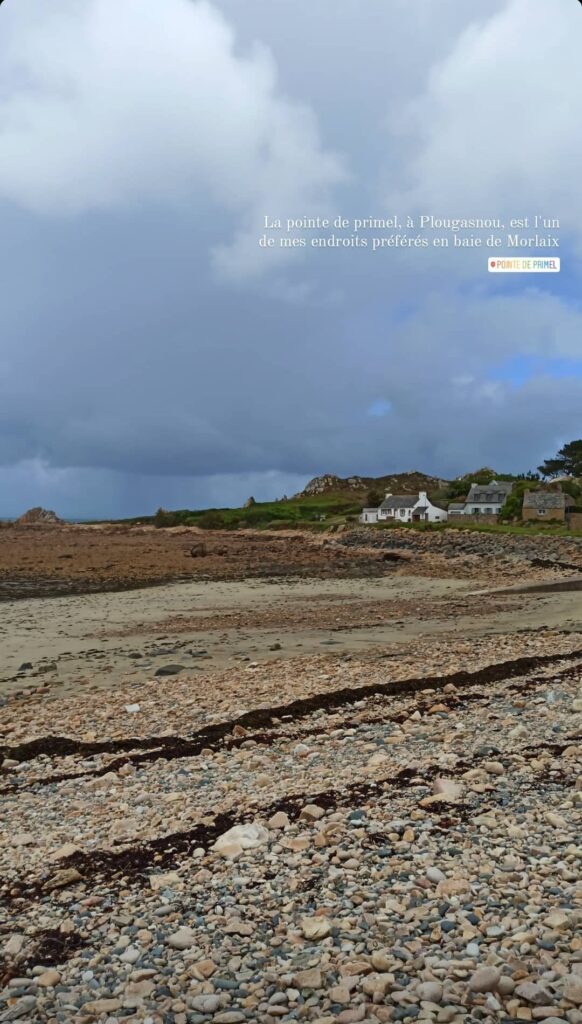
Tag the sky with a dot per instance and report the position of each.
(152, 354)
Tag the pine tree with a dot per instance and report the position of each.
(568, 461)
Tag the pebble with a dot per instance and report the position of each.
(184, 938)
(485, 979)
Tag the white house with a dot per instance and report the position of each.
(407, 508)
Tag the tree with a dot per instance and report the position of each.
(571, 488)
(526, 476)
(374, 498)
(514, 501)
(568, 461)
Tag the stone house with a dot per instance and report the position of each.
(546, 505)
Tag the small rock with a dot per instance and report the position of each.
(48, 979)
(485, 979)
(247, 837)
(130, 955)
(68, 876)
(238, 928)
(533, 993)
(206, 1003)
(167, 881)
(377, 983)
(573, 988)
(452, 887)
(184, 938)
(378, 759)
(311, 812)
(557, 920)
(23, 839)
(311, 978)
(382, 961)
(14, 945)
(315, 928)
(67, 850)
(430, 991)
(447, 788)
(99, 1006)
(352, 1016)
(280, 820)
(205, 968)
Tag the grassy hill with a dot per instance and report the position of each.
(292, 512)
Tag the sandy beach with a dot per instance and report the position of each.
(99, 641)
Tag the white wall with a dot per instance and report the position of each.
(484, 508)
(433, 514)
(369, 515)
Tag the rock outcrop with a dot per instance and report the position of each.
(358, 486)
(39, 517)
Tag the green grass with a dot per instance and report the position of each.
(519, 529)
(320, 511)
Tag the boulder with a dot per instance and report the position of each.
(198, 550)
(39, 517)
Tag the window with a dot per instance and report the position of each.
(541, 511)
(488, 511)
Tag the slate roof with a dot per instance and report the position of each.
(400, 501)
(496, 492)
(546, 499)
(456, 506)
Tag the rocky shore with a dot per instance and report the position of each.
(350, 792)
(335, 839)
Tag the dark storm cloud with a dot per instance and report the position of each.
(148, 345)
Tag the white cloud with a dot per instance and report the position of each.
(496, 130)
(106, 105)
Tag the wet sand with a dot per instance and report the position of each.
(98, 641)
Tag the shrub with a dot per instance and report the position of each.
(163, 518)
(211, 520)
